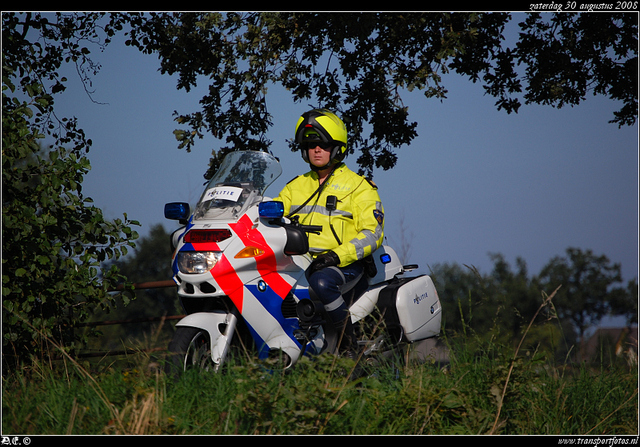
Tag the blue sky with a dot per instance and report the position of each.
(475, 181)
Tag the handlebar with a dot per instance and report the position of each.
(317, 229)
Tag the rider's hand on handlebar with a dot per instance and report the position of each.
(324, 260)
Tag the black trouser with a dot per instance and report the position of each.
(330, 284)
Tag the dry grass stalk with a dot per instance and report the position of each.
(545, 302)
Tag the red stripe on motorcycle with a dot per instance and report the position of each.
(227, 278)
(266, 263)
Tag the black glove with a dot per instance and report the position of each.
(324, 260)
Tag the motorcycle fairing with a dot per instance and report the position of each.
(269, 336)
(266, 264)
(259, 300)
(260, 316)
(224, 273)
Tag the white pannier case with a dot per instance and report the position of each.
(412, 305)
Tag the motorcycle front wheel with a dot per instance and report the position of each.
(190, 348)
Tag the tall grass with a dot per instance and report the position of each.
(483, 389)
(467, 397)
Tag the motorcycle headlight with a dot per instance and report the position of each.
(197, 261)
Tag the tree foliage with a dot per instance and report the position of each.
(572, 54)
(149, 262)
(590, 283)
(54, 240)
(499, 305)
(360, 64)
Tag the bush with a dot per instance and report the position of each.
(53, 240)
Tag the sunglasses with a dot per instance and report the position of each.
(313, 144)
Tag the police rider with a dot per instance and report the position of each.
(348, 208)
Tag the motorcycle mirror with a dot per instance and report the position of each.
(177, 211)
(271, 210)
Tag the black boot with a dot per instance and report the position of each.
(347, 343)
(348, 347)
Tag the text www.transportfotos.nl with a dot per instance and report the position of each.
(599, 441)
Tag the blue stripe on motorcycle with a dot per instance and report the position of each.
(302, 293)
(272, 302)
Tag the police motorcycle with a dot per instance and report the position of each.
(239, 266)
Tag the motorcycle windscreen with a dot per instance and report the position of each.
(240, 182)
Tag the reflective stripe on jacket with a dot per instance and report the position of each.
(357, 220)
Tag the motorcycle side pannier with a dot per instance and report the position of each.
(412, 305)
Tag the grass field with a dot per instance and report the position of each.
(497, 391)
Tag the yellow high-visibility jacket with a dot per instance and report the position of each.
(354, 229)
